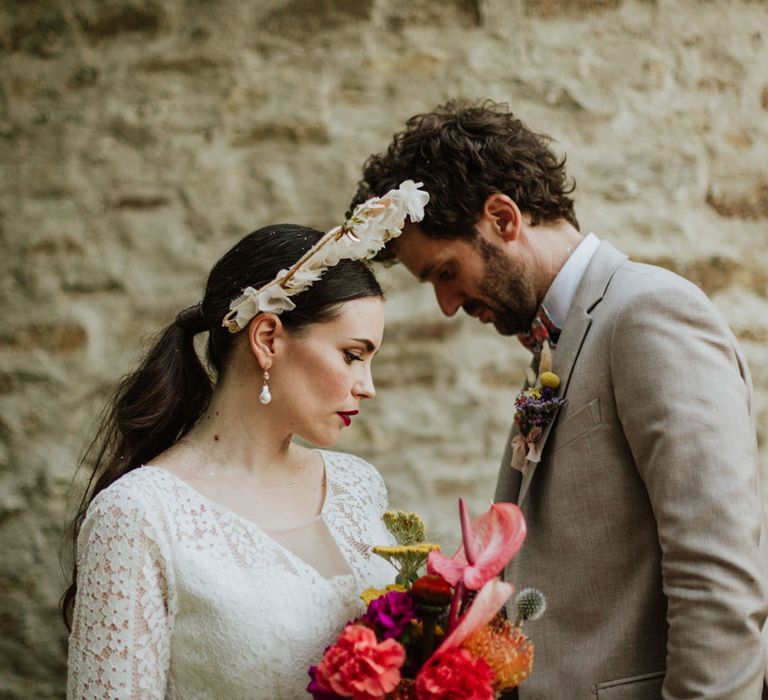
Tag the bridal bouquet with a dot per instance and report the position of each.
(439, 634)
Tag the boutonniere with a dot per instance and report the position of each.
(535, 407)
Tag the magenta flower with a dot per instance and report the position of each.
(391, 613)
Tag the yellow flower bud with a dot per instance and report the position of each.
(550, 380)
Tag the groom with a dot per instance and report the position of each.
(644, 516)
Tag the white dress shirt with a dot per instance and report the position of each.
(559, 297)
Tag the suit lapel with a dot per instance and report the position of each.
(598, 274)
(509, 481)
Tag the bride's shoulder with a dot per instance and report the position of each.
(344, 466)
(142, 489)
(347, 462)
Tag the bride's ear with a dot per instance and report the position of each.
(262, 333)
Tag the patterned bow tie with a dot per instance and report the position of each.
(542, 328)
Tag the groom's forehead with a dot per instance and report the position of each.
(422, 254)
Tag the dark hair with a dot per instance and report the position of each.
(159, 403)
(464, 152)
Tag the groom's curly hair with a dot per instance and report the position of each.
(463, 152)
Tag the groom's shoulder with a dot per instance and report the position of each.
(646, 275)
(634, 280)
(639, 292)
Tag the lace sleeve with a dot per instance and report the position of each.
(121, 630)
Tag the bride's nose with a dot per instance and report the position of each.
(363, 387)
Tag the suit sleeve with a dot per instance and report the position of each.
(683, 395)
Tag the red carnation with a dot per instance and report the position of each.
(431, 589)
(358, 667)
(455, 675)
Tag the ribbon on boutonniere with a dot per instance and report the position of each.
(535, 407)
(525, 449)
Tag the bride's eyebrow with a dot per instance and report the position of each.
(369, 346)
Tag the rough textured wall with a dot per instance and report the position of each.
(140, 138)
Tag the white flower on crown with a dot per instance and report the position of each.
(244, 307)
(252, 301)
(302, 279)
(275, 299)
(411, 200)
(392, 219)
(330, 257)
(372, 224)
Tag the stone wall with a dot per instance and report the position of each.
(140, 138)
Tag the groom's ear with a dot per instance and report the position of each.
(503, 216)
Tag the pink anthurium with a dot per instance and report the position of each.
(489, 543)
(486, 604)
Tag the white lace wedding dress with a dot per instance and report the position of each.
(181, 598)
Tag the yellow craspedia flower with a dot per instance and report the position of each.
(406, 558)
(549, 380)
(370, 594)
(397, 550)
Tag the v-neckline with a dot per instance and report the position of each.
(264, 534)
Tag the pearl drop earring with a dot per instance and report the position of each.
(265, 397)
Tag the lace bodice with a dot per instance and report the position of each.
(181, 598)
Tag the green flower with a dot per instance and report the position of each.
(406, 528)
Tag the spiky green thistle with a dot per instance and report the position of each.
(530, 604)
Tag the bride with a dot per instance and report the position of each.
(215, 556)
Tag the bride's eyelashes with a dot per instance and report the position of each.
(352, 357)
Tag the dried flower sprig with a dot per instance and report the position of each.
(535, 407)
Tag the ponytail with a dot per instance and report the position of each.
(153, 408)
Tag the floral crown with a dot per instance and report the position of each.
(372, 224)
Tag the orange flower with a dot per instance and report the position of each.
(506, 650)
(358, 667)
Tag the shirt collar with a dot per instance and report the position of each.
(561, 292)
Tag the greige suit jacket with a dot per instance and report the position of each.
(645, 527)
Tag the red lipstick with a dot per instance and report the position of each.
(346, 416)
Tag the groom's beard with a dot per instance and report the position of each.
(507, 289)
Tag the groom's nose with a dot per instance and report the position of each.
(448, 300)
